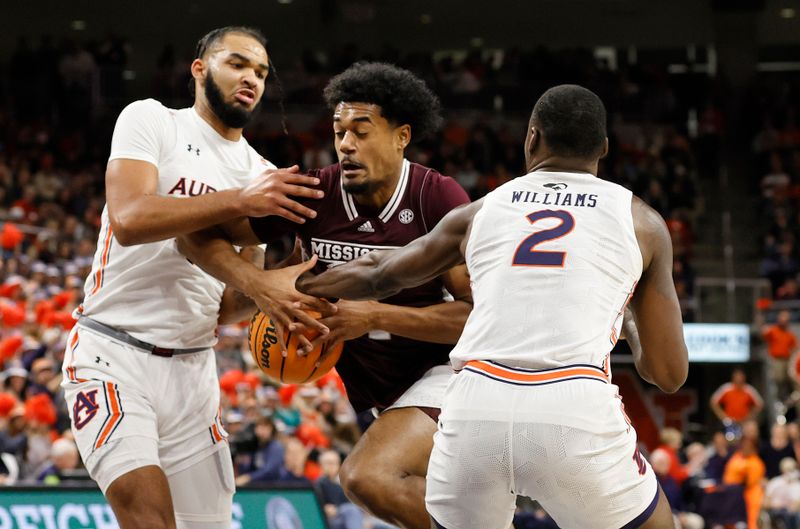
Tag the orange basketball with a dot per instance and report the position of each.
(291, 369)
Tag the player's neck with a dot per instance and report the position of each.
(381, 196)
(206, 114)
(558, 164)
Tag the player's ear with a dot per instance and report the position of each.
(604, 151)
(198, 69)
(532, 140)
(403, 136)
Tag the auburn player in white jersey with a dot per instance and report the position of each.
(554, 258)
(139, 371)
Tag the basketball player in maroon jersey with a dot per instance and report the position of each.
(395, 357)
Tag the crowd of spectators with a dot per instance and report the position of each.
(56, 116)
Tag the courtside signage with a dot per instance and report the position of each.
(66, 508)
(717, 342)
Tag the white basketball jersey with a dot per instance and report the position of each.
(151, 291)
(553, 259)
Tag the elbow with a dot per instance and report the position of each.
(124, 233)
(674, 379)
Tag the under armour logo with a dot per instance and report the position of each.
(97, 360)
(190, 149)
(558, 186)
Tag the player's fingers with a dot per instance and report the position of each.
(329, 347)
(323, 306)
(296, 207)
(293, 169)
(285, 213)
(300, 268)
(301, 179)
(281, 338)
(303, 345)
(304, 318)
(301, 191)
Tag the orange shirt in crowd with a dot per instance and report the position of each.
(780, 342)
(737, 402)
(748, 471)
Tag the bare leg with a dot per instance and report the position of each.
(141, 499)
(662, 515)
(385, 472)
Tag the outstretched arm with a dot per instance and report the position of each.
(273, 291)
(381, 274)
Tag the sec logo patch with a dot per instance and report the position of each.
(406, 216)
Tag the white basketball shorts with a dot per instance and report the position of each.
(115, 391)
(557, 436)
(428, 391)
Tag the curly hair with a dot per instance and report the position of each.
(403, 97)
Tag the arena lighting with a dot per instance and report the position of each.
(284, 1)
(78, 25)
(788, 12)
(425, 18)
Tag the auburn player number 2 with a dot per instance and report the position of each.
(527, 255)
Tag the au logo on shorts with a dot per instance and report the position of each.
(85, 408)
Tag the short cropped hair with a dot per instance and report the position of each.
(403, 97)
(572, 121)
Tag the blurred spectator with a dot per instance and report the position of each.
(296, 466)
(661, 461)
(736, 401)
(720, 454)
(747, 469)
(776, 450)
(781, 345)
(267, 461)
(671, 444)
(64, 459)
(340, 512)
(782, 495)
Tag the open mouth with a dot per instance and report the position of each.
(246, 97)
(348, 167)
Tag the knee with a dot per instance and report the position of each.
(361, 483)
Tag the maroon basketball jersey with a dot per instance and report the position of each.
(377, 369)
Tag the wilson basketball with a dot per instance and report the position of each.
(292, 369)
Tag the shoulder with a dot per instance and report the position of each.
(651, 230)
(752, 391)
(431, 181)
(148, 107)
(435, 193)
(723, 389)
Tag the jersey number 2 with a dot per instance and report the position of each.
(528, 255)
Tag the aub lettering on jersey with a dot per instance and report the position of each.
(336, 252)
(579, 200)
(189, 187)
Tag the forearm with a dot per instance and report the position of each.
(151, 218)
(209, 250)
(631, 335)
(441, 323)
(356, 280)
(235, 307)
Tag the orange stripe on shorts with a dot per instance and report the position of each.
(98, 276)
(535, 377)
(115, 415)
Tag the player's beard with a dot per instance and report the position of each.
(360, 188)
(231, 116)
